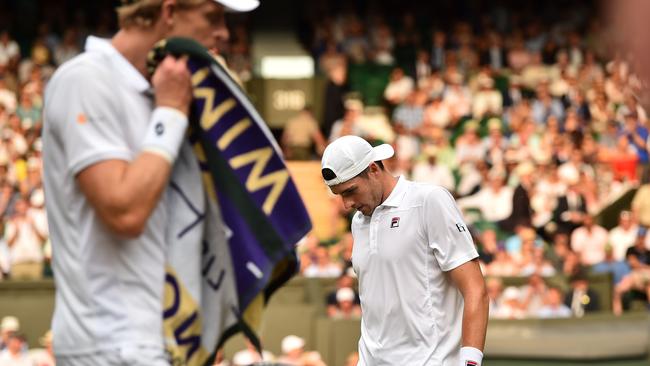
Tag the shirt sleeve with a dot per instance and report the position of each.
(446, 231)
(87, 117)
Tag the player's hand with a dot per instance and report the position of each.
(172, 84)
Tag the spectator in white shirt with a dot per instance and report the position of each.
(438, 112)
(399, 87)
(428, 170)
(622, 236)
(323, 265)
(14, 354)
(487, 101)
(510, 307)
(589, 241)
(25, 237)
(554, 308)
(494, 200)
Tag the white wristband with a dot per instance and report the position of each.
(470, 356)
(165, 132)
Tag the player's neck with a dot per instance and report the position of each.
(388, 182)
(134, 44)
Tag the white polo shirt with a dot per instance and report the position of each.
(108, 289)
(411, 312)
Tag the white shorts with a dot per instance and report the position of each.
(126, 356)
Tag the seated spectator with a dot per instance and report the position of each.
(494, 200)
(342, 253)
(399, 87)
(502, 265)
(589, 241)
(638, 258)
(8, 326)
(495, 142)
(533, 294)
(250, 356)
(581, 299)
(637, 135)
(25, 239)
(346, 280)
(488, 247)
(545, 105)
(469, 148)
(457, 96)
(535, 73)
(510, 306)
(494, 286)
(437, 112)
(429, 170)
(560, 249)
(323, 265)
(536, 263)
(293, 348)
(521, 206)
(408, 119)
(346, 306)
(618, 268)
(43, 356)
(571, 207)
(514, 245)
(301, 136)
(5, 257)
(307, 247)
(623, 160)
(622, 236)
(487, 101)
(14, 354)
(553, 306)
(8, 98)
(349, 124)
(572, 264)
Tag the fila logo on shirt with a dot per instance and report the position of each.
(461, 227)
(394, 222)
(471, 363)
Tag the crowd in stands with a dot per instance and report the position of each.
(533, 126)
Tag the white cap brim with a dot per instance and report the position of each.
(378, 153)
(382, 152)
(239, 5)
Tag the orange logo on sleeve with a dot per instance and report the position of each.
(81, 118)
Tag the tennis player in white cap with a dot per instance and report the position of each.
(111, 140)
(423, 296)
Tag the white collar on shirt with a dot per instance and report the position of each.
(132, 76)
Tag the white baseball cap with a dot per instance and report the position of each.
(232, 5)
(10, 324)
(345, 294)
(292, 342)
(348, 156)
(239, 5)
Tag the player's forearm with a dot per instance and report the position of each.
(475, 318)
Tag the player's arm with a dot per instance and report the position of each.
(469, 280)
(456, 254)
(124, 193)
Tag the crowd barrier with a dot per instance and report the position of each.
(299, 308)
